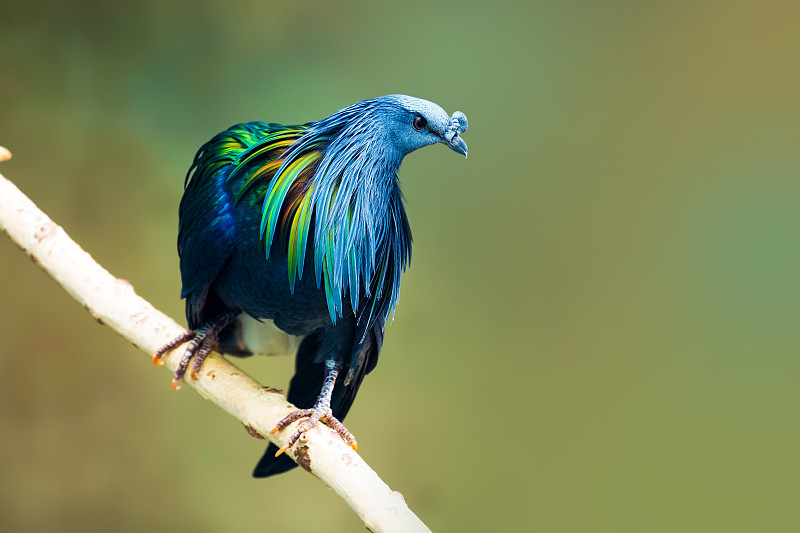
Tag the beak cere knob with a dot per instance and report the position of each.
(462, 121)
(457, 125)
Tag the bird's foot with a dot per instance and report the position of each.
(314, 416)
(187, 335)
(203, 340)
(320, 413)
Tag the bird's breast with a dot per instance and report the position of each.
(260, 337)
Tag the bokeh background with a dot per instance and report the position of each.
(600, 328)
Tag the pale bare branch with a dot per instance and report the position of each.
(113, 302)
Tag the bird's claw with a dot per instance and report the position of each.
(202, 341)
(314, 417)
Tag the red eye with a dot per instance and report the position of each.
(419, 122)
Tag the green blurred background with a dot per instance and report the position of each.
(600, 328)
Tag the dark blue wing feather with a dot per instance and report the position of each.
(206, 235)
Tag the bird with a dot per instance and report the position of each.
(303, 229)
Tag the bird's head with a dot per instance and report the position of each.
(392, 126)
(413, 123)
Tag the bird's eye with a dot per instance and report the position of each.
(420, 122)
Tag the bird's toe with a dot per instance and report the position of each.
(314, 417)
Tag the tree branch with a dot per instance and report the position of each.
(113, 302)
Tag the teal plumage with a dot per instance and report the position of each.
(304, 225)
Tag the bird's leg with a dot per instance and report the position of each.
(203, 341)
(321, 412)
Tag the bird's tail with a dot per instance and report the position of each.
(305, 388)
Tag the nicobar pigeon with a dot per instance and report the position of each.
(303, 227)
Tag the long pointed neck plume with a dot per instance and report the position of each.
(339, 177)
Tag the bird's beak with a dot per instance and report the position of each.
(457, 144)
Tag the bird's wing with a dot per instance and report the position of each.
(206, 236)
